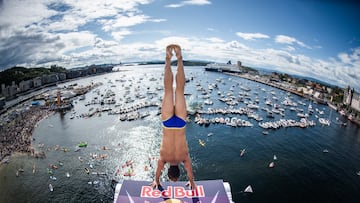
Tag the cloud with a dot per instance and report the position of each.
(28, 48)
(283, 39)
(189, 2)
(350, 59)
(252, 36)
(124, 21)
(74, 33)
(119, 35)
(215, 40)
(44, 31)
(290, 48)
(17, 14)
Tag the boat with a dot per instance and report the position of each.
(34, 169)
(129, 173)
(324, 121)
(271, 165)
(82, 144)
(358, 173)
(87, 170)
(265, 132)
(129, 162)
(67, 174)
(242, 152)
(248, 189)
(275, 158)
(201, 142)
(51, 188)
(325, 151)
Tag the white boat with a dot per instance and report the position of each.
(242, 152)
(271, 165)
(324, 121)
(51, 188)
(208, 102)
(202, 143)
(249, 189)
(275, 158)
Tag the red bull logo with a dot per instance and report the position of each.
(176, 192)
(211, 191)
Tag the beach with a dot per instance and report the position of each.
(16, 135)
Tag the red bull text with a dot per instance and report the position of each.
(176, 192)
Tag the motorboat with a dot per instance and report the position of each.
(242, 152)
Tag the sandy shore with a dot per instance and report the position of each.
(16, 136)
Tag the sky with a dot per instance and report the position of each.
(312, 38)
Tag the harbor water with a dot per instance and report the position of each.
(313, 164)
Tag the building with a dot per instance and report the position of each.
(352, 98)
(9, 91)
(25, 85)
(355, 102)
(37, 82)
(239, 64)
(2, 102)
(348, 92)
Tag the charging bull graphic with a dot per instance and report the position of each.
(211, 191)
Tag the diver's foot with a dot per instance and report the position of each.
(177, 50)
(169, 50)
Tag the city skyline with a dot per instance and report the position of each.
(319, 39)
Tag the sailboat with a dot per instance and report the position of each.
(248, 189)
(275, 158)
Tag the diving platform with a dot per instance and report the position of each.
(208, 191)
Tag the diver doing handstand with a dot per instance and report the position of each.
(174, 149)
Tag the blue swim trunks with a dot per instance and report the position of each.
(174, 122)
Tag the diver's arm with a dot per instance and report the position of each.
(160, 167)
(188, 168)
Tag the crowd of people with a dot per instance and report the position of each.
(16, 135)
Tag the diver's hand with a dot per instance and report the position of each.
(155, 184)
(191, 184)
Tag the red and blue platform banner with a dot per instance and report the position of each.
(209, 191)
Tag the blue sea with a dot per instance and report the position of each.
(314, 164)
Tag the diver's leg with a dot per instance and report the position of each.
(180, 103)
(167, 109)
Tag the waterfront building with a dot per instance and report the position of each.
(37, 82)
(348, 92)
(46, 79)
(9, 91)
(239, 64)
(355, 102)
(352, 98)
(25, 85)
(2, 102)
